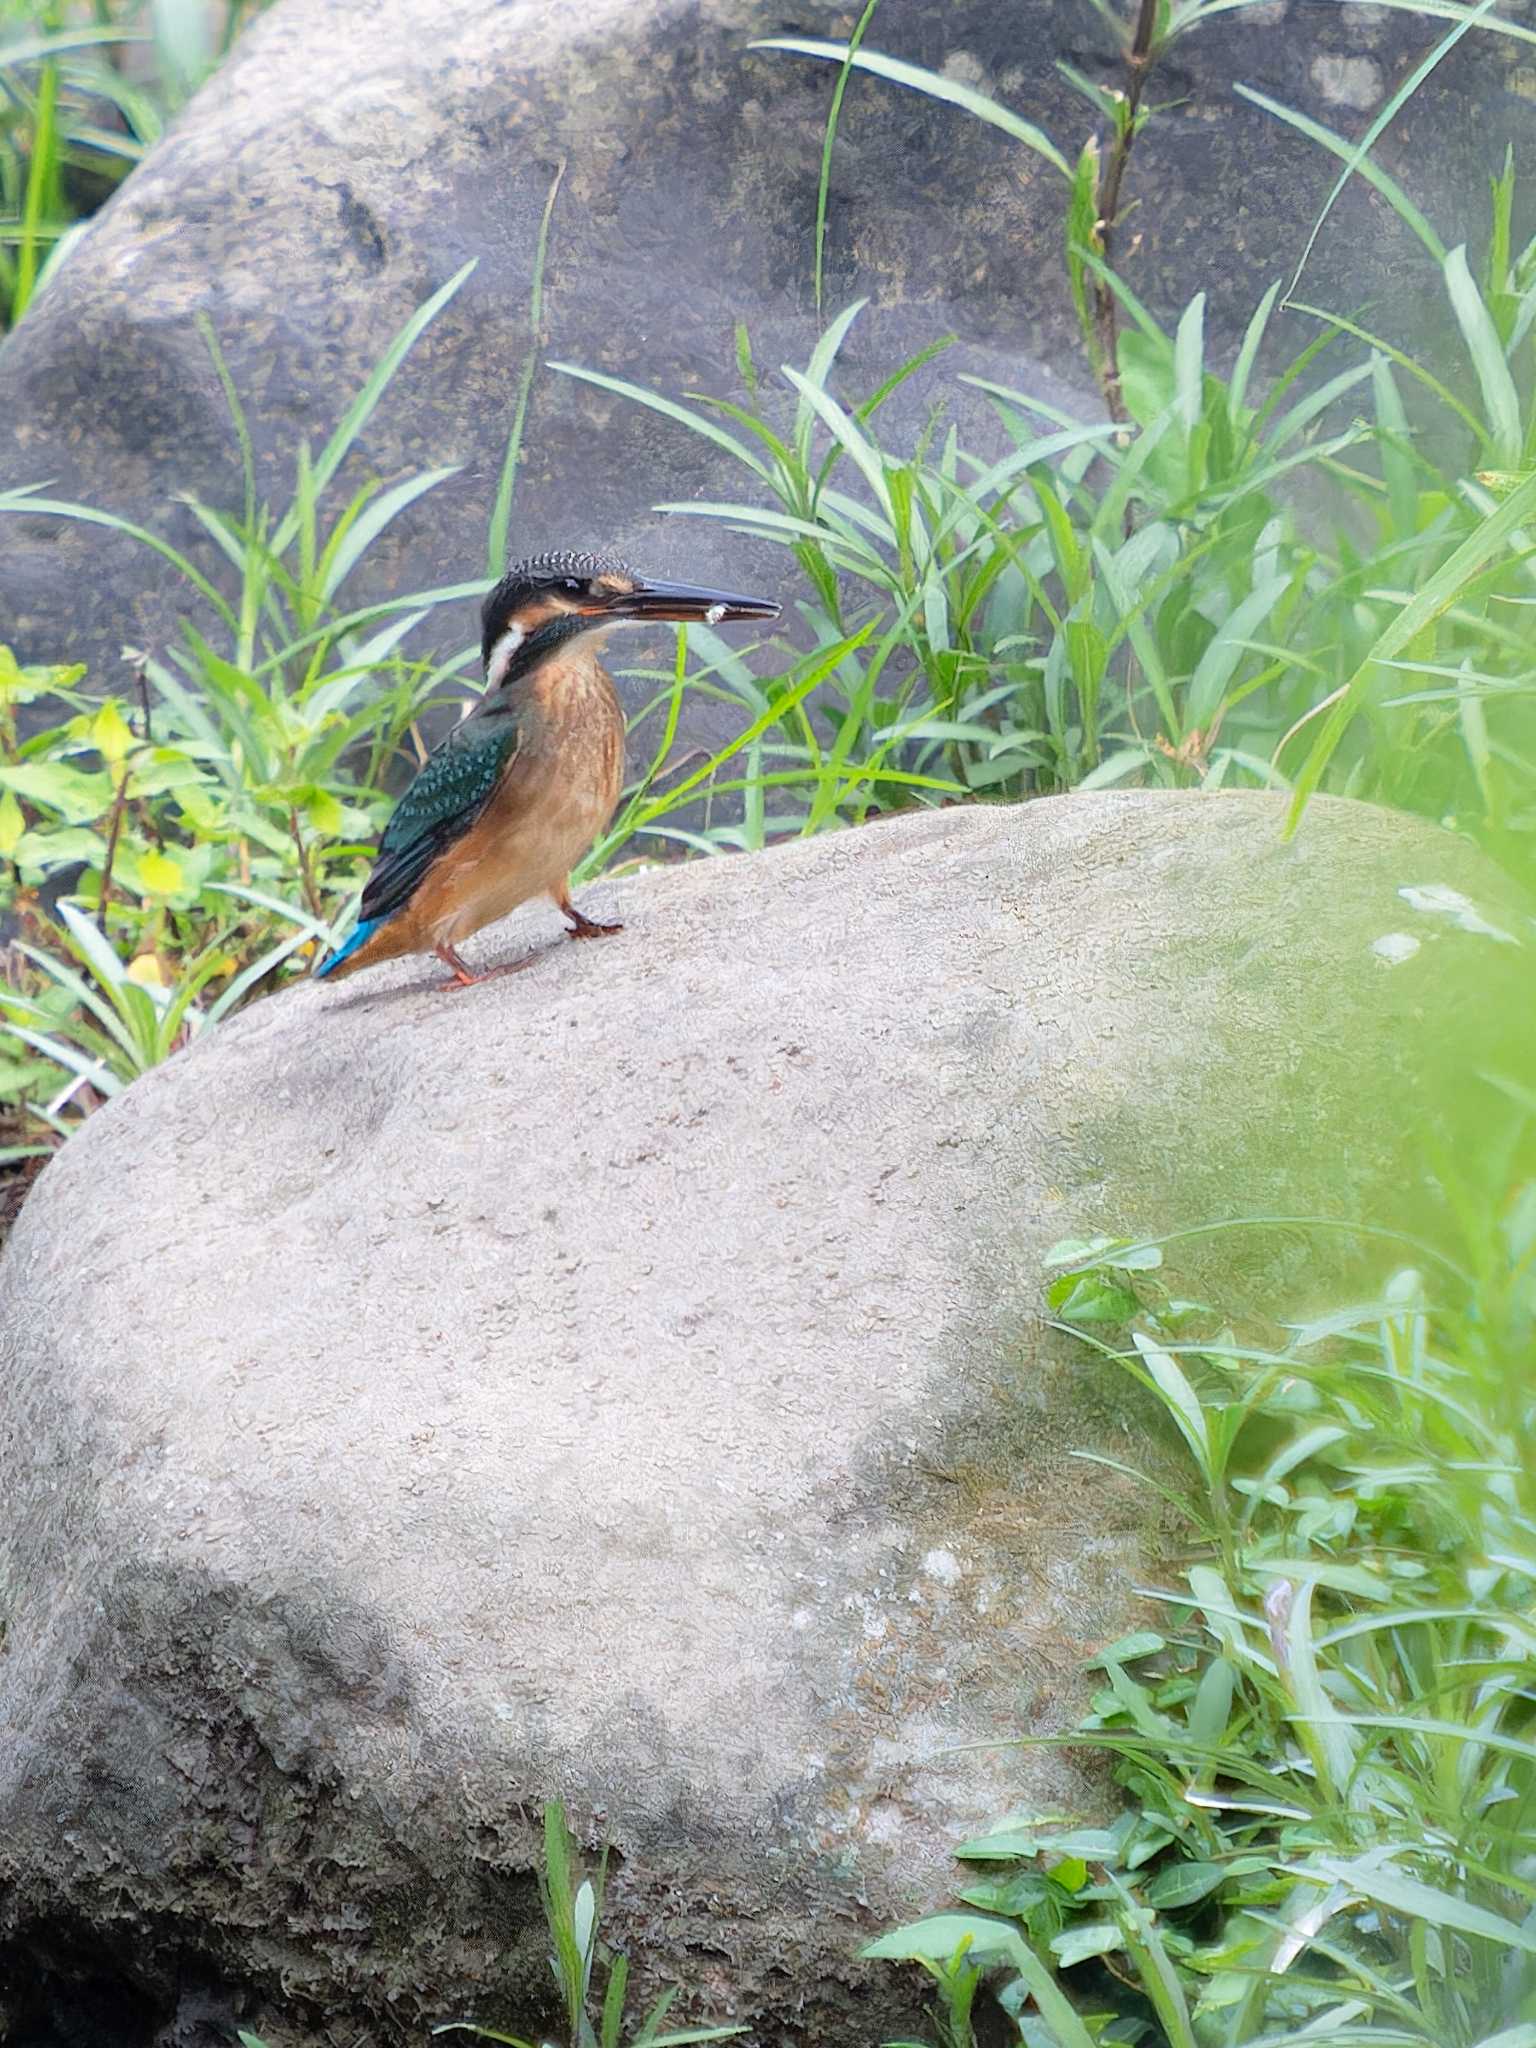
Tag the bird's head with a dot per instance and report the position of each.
(542, 604)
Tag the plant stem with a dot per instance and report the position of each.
(306, 871)
(114, 827)
(1140, 56)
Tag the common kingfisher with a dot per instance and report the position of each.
(508, 803)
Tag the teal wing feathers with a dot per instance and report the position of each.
(456, 783)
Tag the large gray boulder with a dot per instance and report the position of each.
(625, 1380)
(355, 152)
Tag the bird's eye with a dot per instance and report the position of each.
(572, 586)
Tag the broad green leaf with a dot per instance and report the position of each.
(940, 1936)
(1091, 1297)
(1085, 1938)
(1129, 1649)
(75, 794)
(1185, 1884)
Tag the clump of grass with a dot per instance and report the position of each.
(75, 118)
(1325, 1744)
(579, 1961)
(573, 1905)
(1143, 599)
(210, 824)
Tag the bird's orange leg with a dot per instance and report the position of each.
(581, 927)
(462, 975)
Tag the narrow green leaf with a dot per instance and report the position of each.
(1428, 604)
(845, 430)
(1215, 668)
(362, 408)
(1179, 1397)
(1500, 400)
(1399, 1894)
(1368, 169)
(335, 567)
(669, 409)
(824, 183)
(1082, 234)
(930, 83)
(1248, 354)
(506, 484)
(1189, 363)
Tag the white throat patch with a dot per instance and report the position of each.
(502, 651)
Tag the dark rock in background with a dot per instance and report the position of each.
(352, 156)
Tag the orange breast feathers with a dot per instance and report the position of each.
(558, 792)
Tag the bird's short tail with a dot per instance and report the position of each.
(361, 934)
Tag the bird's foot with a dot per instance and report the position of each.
(464, 977)
(587, 927)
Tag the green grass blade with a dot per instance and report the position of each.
(689, 2035)
(824, 182)
(335, 567)
(1214, 670)
(669, 409)
(1501, 401)
(868, 407)
(481, 2033)
(237, 418)
(87, 515)
(32, 49)
(1373, 174)
(1356, 159)
(933, 85)
(817, 671)
(1248, 354)
(362, 408)
(846, 432)
(1082, 233)
(1189, 363)
(501, 511)
(1425, 1902)
(1422, 610)
(785, 529)
(1446, 397)
(41, 198)
(98, 1070)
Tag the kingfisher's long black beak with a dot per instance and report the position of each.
(687, 601)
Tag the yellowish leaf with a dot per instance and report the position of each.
(111, 734)
(159, 875)
(147, 971)
(12, 823)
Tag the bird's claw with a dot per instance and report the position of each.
(464, 978)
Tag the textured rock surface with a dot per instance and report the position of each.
(356, 152)
(624, 1379)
